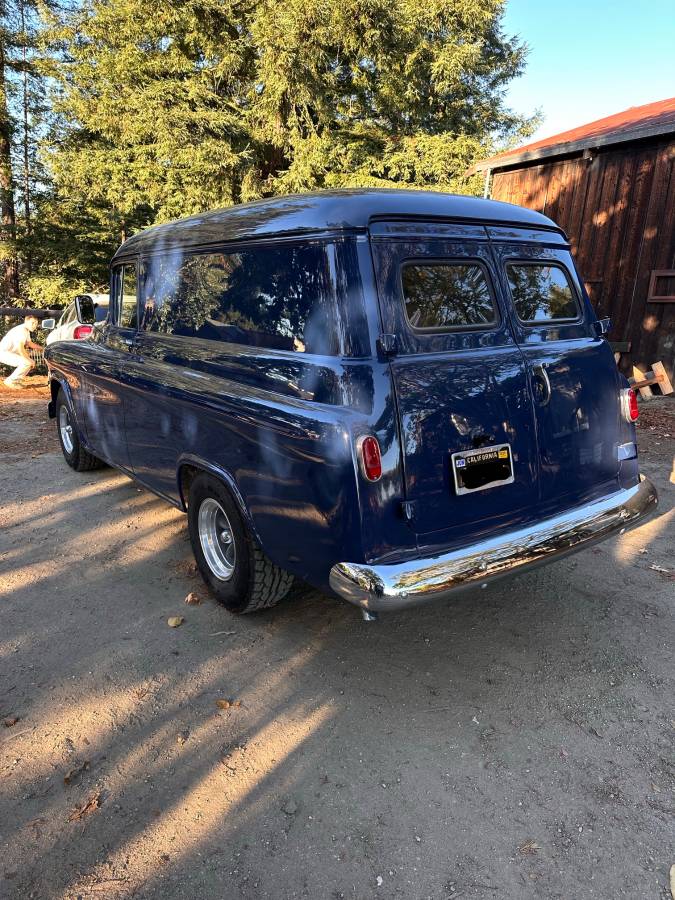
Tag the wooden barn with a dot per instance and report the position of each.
(610, 185)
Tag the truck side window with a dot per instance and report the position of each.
(124, 281)
(275, 297)
(446, 295)
(541, 293)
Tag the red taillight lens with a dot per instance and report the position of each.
(371, 458)
(633, 410)
(629, 405)
(82, 331)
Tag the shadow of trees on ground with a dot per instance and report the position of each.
(426, 750)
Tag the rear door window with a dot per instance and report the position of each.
(445, 295)
(542, 292)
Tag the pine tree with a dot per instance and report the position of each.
(170, 109)
(9, 275)
(32, 114)
(23, 116)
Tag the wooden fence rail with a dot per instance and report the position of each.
(21, 312)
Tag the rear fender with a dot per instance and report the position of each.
(196, 462)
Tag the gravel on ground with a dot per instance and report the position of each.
(513, 743)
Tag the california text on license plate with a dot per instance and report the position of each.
(486, 467)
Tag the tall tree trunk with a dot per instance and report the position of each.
(8, 261)
(25, 99)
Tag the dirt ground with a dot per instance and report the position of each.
(516, 743)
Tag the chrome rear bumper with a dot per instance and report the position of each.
(398, 585)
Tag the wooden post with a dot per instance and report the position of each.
(486, 185)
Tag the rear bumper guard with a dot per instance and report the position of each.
(378, 588)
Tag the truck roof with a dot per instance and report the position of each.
(337, 210)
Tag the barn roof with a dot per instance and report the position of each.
(635, 123)
(337, 210)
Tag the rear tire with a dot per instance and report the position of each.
(74, 453)
(231, 562)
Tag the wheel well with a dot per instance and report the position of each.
(187, 473)
(54, 388)
(186, 476)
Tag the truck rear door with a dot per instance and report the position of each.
(465, 411)
(573, 376)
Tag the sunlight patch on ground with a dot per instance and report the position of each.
(202, 811)
(96, 716)
(109, 533)
(628, 545)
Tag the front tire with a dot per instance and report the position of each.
(232, 564)
(74, 453)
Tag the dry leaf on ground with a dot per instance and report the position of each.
(10, 721)
(175, 621)
(226, 704)
(192, 599)
(85, 808)
(529, 847)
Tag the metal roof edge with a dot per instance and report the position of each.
(569, 147)
(322, 212)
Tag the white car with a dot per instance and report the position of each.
(69, 327)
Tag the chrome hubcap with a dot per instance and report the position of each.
(216, 539)
(66, 429)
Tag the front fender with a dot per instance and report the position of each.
(58, 381)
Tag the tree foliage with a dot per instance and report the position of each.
(162, 110)
(173, 109)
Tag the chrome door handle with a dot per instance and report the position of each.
(542, 384)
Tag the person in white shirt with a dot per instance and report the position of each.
(14, 350)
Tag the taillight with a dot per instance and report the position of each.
(82, 331)
(370, 458)
(629, 405)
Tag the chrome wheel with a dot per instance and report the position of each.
(66, 429)
(216, 539)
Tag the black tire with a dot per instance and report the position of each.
(255, 582)
(76, 456)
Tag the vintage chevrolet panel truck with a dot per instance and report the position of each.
(389, 394)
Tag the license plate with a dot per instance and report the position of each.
(478, 470)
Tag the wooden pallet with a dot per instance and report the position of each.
(645, 381)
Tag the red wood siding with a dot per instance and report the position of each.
(618, 210)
